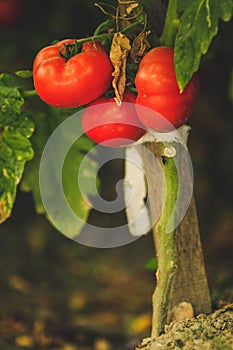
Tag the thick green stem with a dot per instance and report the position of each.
(165, 244)
(163, 191)
(171, 24)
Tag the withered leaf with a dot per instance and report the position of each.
(118, 55)
(140, 46)
(131, 7)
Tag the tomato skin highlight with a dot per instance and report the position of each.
(158, 90)
(74, 82)
(110, 124)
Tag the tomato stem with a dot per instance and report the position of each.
(105, 36)
(29, 93)
(70, 50)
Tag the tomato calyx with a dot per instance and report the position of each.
(69, 50)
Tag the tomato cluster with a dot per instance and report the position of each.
(82, 79)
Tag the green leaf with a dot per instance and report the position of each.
(15, 148)
(11, 99)
(30, 180)
(46, 122)
(73, 176)
(225, 10)
(198, 26)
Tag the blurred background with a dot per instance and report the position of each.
(57, 294)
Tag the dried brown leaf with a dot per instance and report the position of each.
(118, 55)
(140, 46)
(131, 7)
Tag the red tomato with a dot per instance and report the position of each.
(11, 12)
(158, 90)
(74, 82)
(113, 125)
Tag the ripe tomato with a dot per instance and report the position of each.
(74, 82)
(113, 125)
(158, 90)
(11, 12)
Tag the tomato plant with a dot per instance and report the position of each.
(161, 43)
(11, 12)
(66, 79)
(158, 90)
(106, 122)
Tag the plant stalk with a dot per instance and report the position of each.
(165, 250)
(164, 182)
(171, 24)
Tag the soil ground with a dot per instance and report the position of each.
(212, 332)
